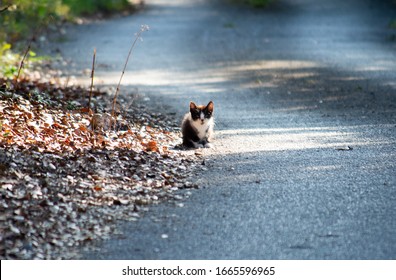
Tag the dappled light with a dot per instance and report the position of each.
(301, 138)
(245, 74)
(271, 65)
(302, 166)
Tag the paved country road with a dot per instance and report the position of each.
(304, 164)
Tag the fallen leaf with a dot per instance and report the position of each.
(152, 146)
(98, 188)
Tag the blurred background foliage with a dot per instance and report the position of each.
(21, 19)
(24, 21)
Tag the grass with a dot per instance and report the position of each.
(89, 7)
(20, 19)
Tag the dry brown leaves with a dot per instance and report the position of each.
(31, 123)
(63, 184)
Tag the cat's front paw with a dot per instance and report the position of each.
(208, 145)
(198, 146)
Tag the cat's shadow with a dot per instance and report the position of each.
(181, 147)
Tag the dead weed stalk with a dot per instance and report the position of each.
(92, 78)
(138, 36)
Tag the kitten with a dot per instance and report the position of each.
(197, 126)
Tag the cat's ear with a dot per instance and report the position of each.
(193, 106)
(210, 106)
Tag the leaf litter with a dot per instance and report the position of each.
(67, 174)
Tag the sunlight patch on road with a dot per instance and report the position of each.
(197, 80)
(284, 139)
(271, 65)
(379, 65)
(245, 74)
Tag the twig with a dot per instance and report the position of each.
(138, 35)
(22, 64)
(23, 61)
(67, 82)
(92, 78)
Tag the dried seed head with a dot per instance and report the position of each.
(144, 27)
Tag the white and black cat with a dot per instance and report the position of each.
(197, 126)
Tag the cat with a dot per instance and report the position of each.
(197, 126)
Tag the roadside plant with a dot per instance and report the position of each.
(138, 37)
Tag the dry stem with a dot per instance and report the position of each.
(138, 35)
(22, 64)
(92, 78)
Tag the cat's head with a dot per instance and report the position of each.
(201, 113)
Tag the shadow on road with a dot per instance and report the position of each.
(305, 108)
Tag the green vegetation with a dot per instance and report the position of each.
(22, 21)
(21, 18)
(87, 7)
(8, 61)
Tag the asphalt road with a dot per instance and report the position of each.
(305, 100)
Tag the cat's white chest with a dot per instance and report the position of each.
(203, 129)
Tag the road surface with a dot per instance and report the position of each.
(305, 101)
